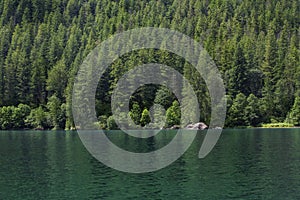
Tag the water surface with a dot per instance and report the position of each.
(245, 164)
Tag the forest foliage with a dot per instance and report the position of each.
(255, 45)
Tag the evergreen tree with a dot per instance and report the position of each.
(135, 113)
(4, 47)
(238, 74)
(164, 97)
(294, 116)
(252, 115)
(173, 115)
(235, 113)
(145, 118)
(14, 58)
(57, 80)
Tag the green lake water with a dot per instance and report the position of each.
(245, 164)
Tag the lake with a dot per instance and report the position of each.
(245, 164)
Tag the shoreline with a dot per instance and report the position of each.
(294, 127)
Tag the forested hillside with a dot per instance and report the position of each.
(255, 44)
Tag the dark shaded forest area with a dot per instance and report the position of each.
(254, 43)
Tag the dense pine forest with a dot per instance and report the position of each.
(254, 43)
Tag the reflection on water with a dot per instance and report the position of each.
(245, 164)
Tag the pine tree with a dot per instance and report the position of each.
(57, 80)
(294, 115)
(164, 97)
(12, 61)
(252, 114)
(135, 113)
(145, 118)
(173, 115)
(23, 71)
(4, 47)
(238, 74)
(235, 113)
(39, 67)
(268, 66)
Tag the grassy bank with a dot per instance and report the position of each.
(278, 125)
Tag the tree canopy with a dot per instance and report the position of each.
(255, 45)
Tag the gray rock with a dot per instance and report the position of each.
(197, 126)
(218, 128)
(175, 127)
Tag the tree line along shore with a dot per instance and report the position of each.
(255, 45)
